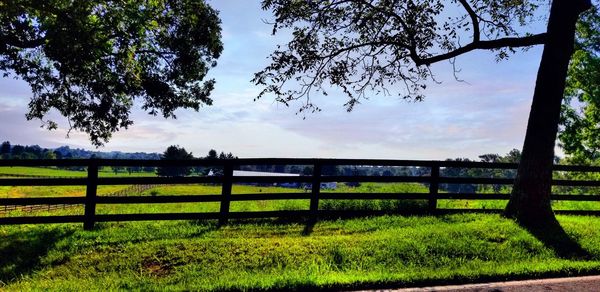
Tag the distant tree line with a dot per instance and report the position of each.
(513, 156)
(174, 152)
(9, 151)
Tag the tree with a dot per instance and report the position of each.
(17, 151)
(5, 150)
(174, 153)
(117, 169)
(89, 60)
(580, 116)
(363, 46)
(212, 154)
(459, 172)
(329, 169)
(48, 154)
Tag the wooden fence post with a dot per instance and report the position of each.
(316, 190)
(90, 196)
(226, 193)
(433, 187)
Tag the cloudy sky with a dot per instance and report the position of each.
(485, 114)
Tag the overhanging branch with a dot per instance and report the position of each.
(510, 42)
(474, 19)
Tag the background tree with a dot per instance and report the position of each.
(364, 46)
(17, 151)
(174, 152)
(48, 154)
(212, 154)
(5, 150)
(90, 59)
(329, 169)
(580, 119)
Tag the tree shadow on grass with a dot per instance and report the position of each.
(554, 237)
(21, 252)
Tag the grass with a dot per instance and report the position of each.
(373, 252)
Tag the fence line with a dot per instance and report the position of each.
(227, 179)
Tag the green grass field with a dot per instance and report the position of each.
(385, 251)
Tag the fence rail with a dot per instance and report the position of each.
(432, 178)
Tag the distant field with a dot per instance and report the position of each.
(55, 172)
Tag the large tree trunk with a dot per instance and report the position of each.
(530, 199)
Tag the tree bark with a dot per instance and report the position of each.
(530, 199)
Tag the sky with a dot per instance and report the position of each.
(485, 114)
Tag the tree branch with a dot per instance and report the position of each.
(474, 20)
(510, 42)
(14, 41)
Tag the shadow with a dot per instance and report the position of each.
(554, 237)
(201, 227)
(21, 252)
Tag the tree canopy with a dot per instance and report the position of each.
(89, 60)
(366, 47)
(580, 134)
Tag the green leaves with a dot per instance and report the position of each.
(580, 117)
(89, 60)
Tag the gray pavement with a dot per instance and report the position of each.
(578, 284)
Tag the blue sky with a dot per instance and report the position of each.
(486, 114)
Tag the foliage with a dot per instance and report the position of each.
(89, 60)
(5, 150)
(511, 157)
(174, 153)
(351, 254)
(8, 151)
(580, 119)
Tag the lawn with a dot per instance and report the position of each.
(371, 252)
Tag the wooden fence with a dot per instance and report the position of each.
(431, 177)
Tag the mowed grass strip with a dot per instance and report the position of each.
(247, 255)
